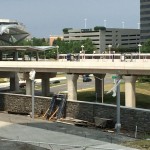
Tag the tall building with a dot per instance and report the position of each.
(102, 37)
(145, 19)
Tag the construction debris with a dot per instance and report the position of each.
(56, 109)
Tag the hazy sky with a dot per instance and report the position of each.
(48, 17)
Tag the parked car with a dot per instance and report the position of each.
(22, 85)
(54, 82)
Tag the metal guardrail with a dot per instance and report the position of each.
(132, 57)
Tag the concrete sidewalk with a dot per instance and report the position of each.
(49, 138)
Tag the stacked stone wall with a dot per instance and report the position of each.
(130, 118)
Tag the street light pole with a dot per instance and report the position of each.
(57, 52)
(139, 45)
(82, 46)
(118, 124)
(93, 53)
(123, 24)
(32, 77)
(105, 23)
(85, 23)
(109, 46)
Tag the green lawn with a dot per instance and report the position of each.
(139, 144)
(142, 95)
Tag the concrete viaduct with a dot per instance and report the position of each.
(98, 64)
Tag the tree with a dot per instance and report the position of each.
(146, 47)
(74, 46)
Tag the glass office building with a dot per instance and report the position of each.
(145, 19)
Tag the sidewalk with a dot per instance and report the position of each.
(44, 134)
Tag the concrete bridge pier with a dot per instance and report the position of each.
(1, 56)
(72, 86)
(14, 82)
(45, 85)
(130, 92)
(99, 86)
(28, 86)
(15, 56)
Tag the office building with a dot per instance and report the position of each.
(145, 20)
(102, 37)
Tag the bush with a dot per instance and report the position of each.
(97, 28)
(65, 30)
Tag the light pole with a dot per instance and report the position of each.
(123, 24)
(105, 23)
(109, 46)
(93, 53)
(118, 124)
(32, 77)
(83, 56)
(85, 23)
(139, 45)
(57, 52)
(138, 25)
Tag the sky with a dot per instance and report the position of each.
(43, 18)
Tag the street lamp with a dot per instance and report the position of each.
(85, 23)
(57, 52)
(109, 46)
(94, 53)
(123, 24)
(105, 23)
(32, 77)
(83, 52)
(139, 45)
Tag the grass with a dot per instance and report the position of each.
(3, 80)
(142, 95)
(139, 144)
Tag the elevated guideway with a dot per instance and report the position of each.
(139, 67)
(129, 67)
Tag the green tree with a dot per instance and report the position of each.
(74, 46)
(146, 47)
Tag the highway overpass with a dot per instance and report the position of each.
(98, 64)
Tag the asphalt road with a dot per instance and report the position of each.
(62, 86)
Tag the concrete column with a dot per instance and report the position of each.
(14, 83)
(28, 86)
(1, 56)
(37, 56)
(72, 86)
(99, 86)
(45, 85)
(15, 56)
(130, 99)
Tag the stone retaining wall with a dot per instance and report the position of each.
(80, 110)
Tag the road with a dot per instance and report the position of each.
(62, 86)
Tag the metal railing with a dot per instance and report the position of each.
(126, 57)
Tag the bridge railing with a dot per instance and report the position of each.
(125, 57)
